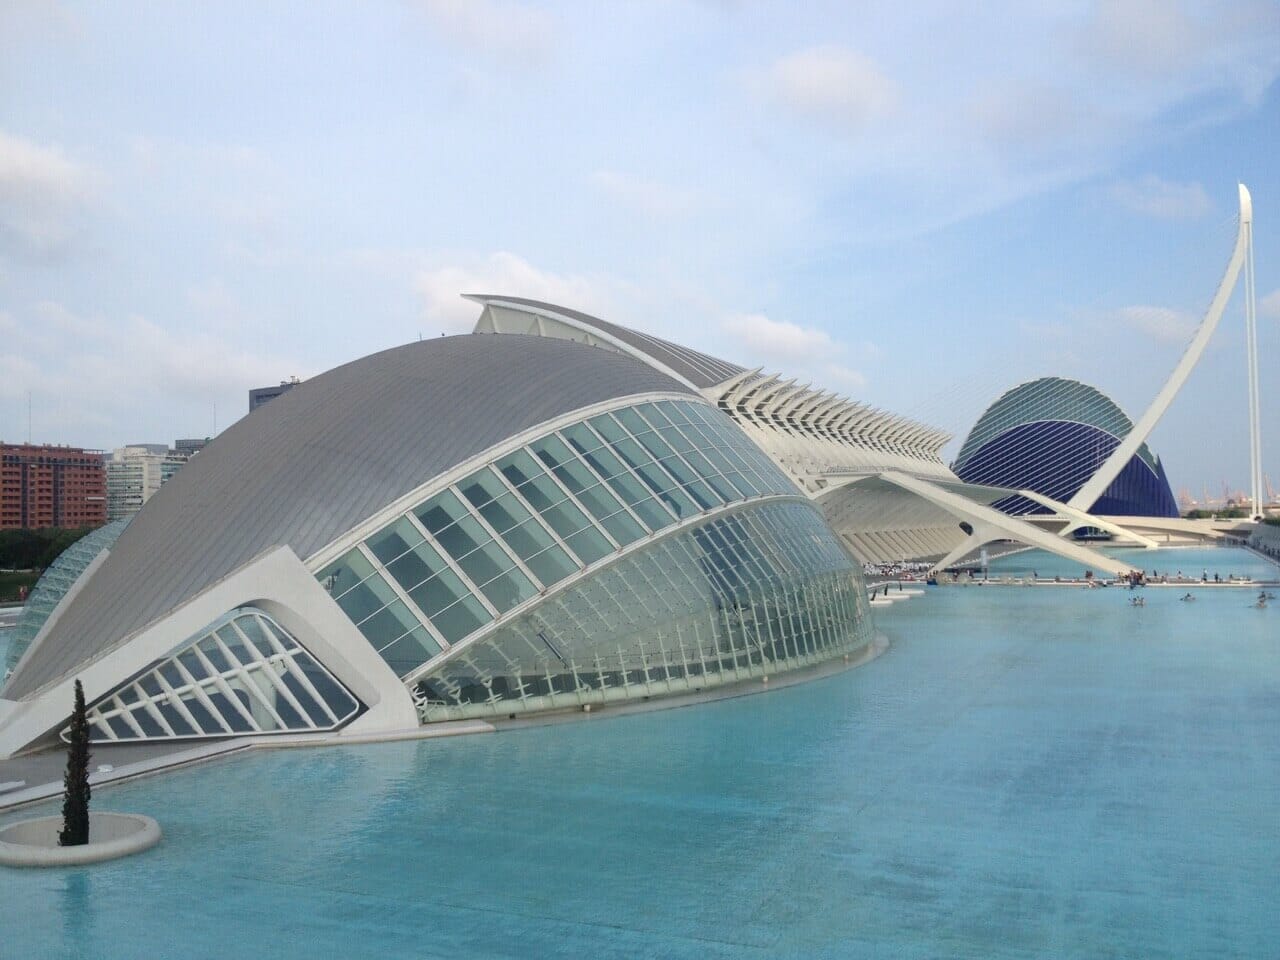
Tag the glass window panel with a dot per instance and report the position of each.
(461, 619)
(213, 653)
(313, 710)
(565, 518)
(235, 720)
(388, 624)
(438, 593)
(128, 695)
(282, 638)
(551, 565)
(121, 727)
(519, 467)
(331, 692)
(481, 487)
(293, 720)
(527, 539)
(417, 566)
(151, 686)
(504, 513)
(608, 428)
(172, 675)
(408, 653)
(150, 726)
(485, 563)
(366, 599)
(344, 573)
(176, 720)
(581, 438)
(652, 414)
(256, 631)
(394, 539)
(258, 691)
(632, 420)
(193, 665)
(463, 537)
(590, 546)
(227, 634)
(508, 589)
(552, 451)
(440, 511)
(541, 493)
(202, 716)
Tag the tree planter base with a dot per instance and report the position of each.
(34, 843)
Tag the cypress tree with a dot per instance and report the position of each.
(75, 795)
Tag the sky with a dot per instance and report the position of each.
(916, 205)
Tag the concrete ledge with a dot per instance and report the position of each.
(34, 843)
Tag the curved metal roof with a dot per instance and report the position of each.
(699, 369)
(1049, 398)
(314, 462)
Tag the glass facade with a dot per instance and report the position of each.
(244, 675)
(751, 593)
(54, 584)
(508, 532)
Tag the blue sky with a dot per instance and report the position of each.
(919, 205)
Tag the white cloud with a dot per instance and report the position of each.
(1160, 323)
(798, 351)
(92, 376)
(441, 289)
(500, 30)
(778, 338)
(650, 198)
(42, 193)
(830, 83)
(1165, 199)
(1269, 305)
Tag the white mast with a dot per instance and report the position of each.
(1111, 467)
(1251, 336)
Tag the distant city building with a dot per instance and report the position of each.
(50, 486)
(186, 448)
(135, 473)
(261, 395)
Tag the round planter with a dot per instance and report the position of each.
(34, 843)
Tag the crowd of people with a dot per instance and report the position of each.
(899, 570)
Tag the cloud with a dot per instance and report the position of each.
(780, 338)
(1269, 305)
(1164, 199)
(650, 198)
(831, 83)
(73, 364)
(499, 30)
(42, 194)
(1160, 323)
(797, 351)
(441, 289)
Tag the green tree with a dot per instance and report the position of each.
(75, 795)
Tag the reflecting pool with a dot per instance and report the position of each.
(1027, 772)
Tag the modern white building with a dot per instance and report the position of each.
(464, 527)
(135, 473)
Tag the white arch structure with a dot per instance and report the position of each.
(1111, 467)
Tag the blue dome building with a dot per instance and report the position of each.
(1051, 435)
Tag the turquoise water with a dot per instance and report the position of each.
(1025, 773)
(1192, 562)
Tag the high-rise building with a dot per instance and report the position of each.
(260, 395)
(42, 485)
(135, 473)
